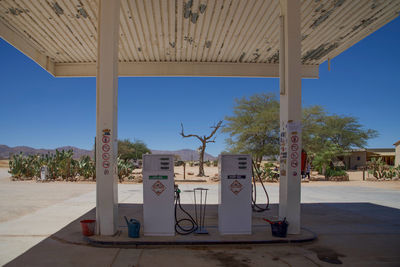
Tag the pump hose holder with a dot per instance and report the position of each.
(179, 229)
(254, 205)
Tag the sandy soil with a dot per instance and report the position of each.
(191, 172)
(4, 163)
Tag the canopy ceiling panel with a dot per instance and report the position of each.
(63, 33)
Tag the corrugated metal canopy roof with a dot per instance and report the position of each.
(61, 35)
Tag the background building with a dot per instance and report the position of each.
(397, 152)
(358, 158)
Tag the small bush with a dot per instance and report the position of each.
(267, 173)
(380, 170)
(268, 165)
(331, 172)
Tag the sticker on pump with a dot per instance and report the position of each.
(158, 177)
(236, 176)
(158, 188)
(236, 187)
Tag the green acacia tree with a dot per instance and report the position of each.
(254, 127)
(346, 132)
(132, 150)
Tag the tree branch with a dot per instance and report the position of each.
(214, 131)
(211, 141)
(189, 135)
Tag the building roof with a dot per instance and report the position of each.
(376, 151)
(397, 143)
(380, 150)
(392, 154)
(225, 37)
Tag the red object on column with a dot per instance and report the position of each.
(303, 161)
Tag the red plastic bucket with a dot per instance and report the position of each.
(88, 227)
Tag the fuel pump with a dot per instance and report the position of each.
(158, 195)
(234, 209)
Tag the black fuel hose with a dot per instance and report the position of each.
(178, 228)
(254, 206)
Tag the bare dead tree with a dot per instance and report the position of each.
(204, 141)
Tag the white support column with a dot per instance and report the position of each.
(106, 123)
(290, 115)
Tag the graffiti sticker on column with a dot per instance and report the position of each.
(105, 156)
(158, 188)
(106, 147)
(294, 163)
(106, 172)
(236, 187)
(106, 132)
(294, 138)
(294, 173)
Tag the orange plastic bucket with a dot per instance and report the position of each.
(88, 227)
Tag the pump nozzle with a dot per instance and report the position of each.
(177, 190)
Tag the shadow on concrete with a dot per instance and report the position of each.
(349, 229)
(261, 230)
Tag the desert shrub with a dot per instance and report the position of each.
(268, 165)
(335, 171)
(397, 169)
(125, 168)
(16, 165)
(61, 164)
(267, 172)
(380, 170)
(86, 167)
(389, 172)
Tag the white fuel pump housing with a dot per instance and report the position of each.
(234, 209)
(158, 195)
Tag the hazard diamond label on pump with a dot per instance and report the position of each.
(236, 187)
(158, 188)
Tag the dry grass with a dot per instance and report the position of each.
(3, 163)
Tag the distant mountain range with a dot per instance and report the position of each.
(6, 151)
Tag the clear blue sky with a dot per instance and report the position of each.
(41, 111)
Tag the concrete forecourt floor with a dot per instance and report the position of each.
(357, 223)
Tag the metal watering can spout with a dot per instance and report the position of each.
(131, 221)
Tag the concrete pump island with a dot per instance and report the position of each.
(165, 221)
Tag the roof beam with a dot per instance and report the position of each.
(22, 45)
(194, 69)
